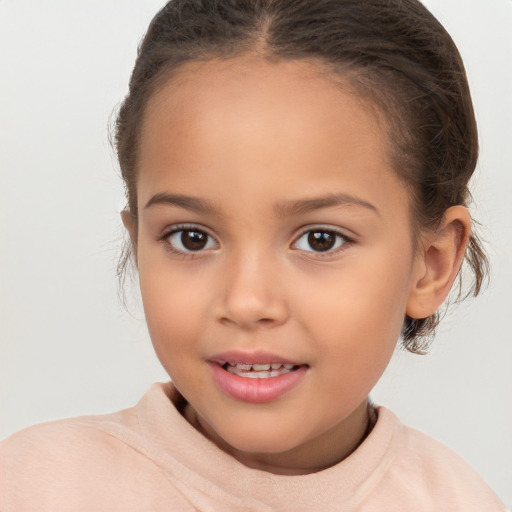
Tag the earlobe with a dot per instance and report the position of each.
(439, 262)
(130, 223)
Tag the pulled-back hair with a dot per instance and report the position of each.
(393, 53)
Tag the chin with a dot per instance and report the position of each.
(262, 446)
(260, 440)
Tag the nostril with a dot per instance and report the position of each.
(252, 319)
(249, 311)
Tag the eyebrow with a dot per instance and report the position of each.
(195, 204)
(284, 209)
(317, 203)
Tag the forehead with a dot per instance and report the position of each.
(251, 89)
(244, 120)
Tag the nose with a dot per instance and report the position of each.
(251, 295)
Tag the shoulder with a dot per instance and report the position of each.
(83, 463)
(441, 466)
(424, 468)
(46, 443)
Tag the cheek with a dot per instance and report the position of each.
(364, 295)
(174, 323)
(174, 305)
(356, 317)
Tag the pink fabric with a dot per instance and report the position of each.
(148, 458)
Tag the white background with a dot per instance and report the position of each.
(67, 347)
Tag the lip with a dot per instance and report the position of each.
(251, 357)
(254, 390)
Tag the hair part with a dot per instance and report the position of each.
(393, 53)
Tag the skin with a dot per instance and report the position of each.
(246, 136)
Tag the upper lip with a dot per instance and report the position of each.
(251, 357)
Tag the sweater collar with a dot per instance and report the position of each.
(180, 448)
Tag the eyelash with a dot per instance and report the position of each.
(195, 228)
(179, 229)
(346, 241)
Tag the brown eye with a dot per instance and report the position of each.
(320, 240)
(190, 240)
(194, 240)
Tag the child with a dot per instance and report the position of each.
(296, 173)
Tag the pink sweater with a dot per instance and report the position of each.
(148, 458)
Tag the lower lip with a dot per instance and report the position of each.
(256, 391)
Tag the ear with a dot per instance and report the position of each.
(130, 223)
(438, 263)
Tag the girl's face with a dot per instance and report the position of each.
(271, 229)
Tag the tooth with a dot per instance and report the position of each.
(262, 374)
(275, 366)
(261, 367)
(258, 375)
(241, 373)
(243, 366)
(288, 366)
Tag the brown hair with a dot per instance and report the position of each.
(392, 52)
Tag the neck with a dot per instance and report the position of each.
(314, 455)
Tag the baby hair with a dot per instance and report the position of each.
(393, 54)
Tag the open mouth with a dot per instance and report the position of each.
(254, 380)
(259, 371)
